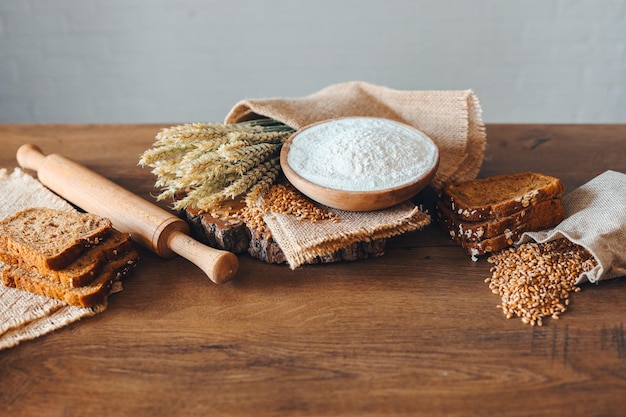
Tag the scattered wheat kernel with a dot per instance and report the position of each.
(534, 280)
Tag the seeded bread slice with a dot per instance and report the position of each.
(506, 239)
(84, 269)
(477, 231)
(499, 196)
(87, 296)
(49, 238)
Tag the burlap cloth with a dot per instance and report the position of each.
(452, 119)
(25, 316)
(595, 218)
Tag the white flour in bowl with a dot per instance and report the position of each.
(361, 154)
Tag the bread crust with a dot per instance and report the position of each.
(87, 296)
(86, 267)
(506, 239)
(467, 231)
(487, 215)
(499, 196)
(49, 238)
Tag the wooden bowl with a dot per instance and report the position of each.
(358, 200)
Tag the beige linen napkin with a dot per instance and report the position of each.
(452, 119)
(595, 218)
(25, 316)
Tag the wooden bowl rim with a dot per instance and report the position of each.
(327, 195)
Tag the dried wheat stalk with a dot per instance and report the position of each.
(210, 163)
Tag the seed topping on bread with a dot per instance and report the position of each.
(501, 195)
(71, 256)
(49, 237)
(486, 215)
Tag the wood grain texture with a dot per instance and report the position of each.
(414, 332)
(238, 237)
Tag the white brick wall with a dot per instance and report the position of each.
(536, 61)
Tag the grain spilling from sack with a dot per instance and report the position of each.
(534, 280)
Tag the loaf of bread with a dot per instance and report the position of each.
(85, 268)
(50, 239)
(499, 196)
(86, 296)
(487, 215)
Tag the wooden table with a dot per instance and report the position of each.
(415, 332)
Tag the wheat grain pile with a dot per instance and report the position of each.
(535, 280)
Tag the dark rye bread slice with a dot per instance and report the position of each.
(50, 238)
(476, 231)
(499, 196)
(87, 296)
(84, 269)
(506, 239)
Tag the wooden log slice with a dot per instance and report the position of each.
(220, 230)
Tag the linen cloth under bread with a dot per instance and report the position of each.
(595, 218)
(23, 315)
(452, 119)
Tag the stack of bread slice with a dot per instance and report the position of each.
(487, 215)
(70, 256)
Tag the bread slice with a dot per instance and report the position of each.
(87, 296)
(49, 238)
(506, 239)
(499, 196)
(84, 269)
(476, 231)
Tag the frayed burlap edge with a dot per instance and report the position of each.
(303, 243)
(51, 321)
(452, 119)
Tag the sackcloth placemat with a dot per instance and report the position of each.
(452, 119)
(595, 218)
(302, 242)
(25, 316)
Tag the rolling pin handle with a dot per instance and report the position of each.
(30, 156)
(219, 265)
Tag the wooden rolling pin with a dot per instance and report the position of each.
(151, 226)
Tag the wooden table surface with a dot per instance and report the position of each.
(415, 332)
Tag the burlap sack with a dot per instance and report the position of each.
(595, 218)
(25, 316)
(452, 119)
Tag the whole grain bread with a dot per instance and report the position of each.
(507, 238)
(499, 196)
(86, 267)
(467, 231)
(87, 296)
(49, 238)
